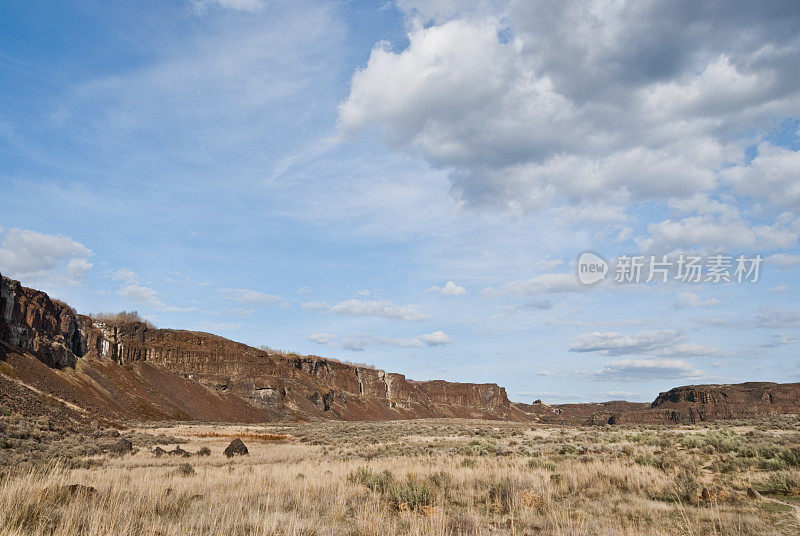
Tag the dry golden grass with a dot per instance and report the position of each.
(420, 478)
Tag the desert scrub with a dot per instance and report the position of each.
(412, 494)
(786, 482)
(372, 480)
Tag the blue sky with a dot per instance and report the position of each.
(409, 184)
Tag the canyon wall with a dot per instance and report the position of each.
(130, 370)
(273, 385)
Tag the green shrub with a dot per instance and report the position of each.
(411, 494)
(483, 448)
(501, 494)
(647, 459)
(469, 463)
(783, 482)
(372, 480)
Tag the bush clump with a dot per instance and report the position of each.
(372, 480)
(410, 495)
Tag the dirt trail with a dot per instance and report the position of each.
(794, 507)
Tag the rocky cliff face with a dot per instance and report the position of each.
(130, 370)
(33, 322)
(696, 403)
(272, 385)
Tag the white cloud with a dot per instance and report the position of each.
(784, 260)
(385, 309)
(541, 284)
(613, 343)
(251, 6)
(252, 297)
(135, 291)
(37, 258)
(357, 342)
(773, 174)
(642, 370)
(527, 102)
(663, 343)
(772, 317)
(725, 231)
(780, 289)
(688, 300)
(304, 290)
(78, 267)
(450, 289)
(125, 275)
(437, 338)
(322, 338)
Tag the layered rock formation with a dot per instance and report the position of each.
(141, 372)
(128, 370)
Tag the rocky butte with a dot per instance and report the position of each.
(121, 369)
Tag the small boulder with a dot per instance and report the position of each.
(177, 451)
(236, 448)
(753, 494)
(123, 446)
(185, 469)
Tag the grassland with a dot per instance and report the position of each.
(419, 477)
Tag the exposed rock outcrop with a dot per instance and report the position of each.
(130, 370)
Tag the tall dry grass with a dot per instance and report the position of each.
(303, 489)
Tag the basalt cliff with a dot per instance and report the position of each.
(129, 370)
(123, 370)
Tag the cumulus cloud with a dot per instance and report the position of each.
(252, 6)
(37, 258)
(528, 101)
(784, 260)
(450, 289)
(252, 297)
(357, 342)
(661, 343)
(541, 284)
(613, 343)
(322, 338)
(773, 175)
(690, 300)
(135, 291)
(437, 338)
(384, 309)
(642, 370)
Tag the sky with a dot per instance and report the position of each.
(410, 184)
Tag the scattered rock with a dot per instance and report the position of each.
(185, 469)
(753, 494)
(123, 446)
(236, 448)
(158, 452)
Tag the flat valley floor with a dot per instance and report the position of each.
(440, 477)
